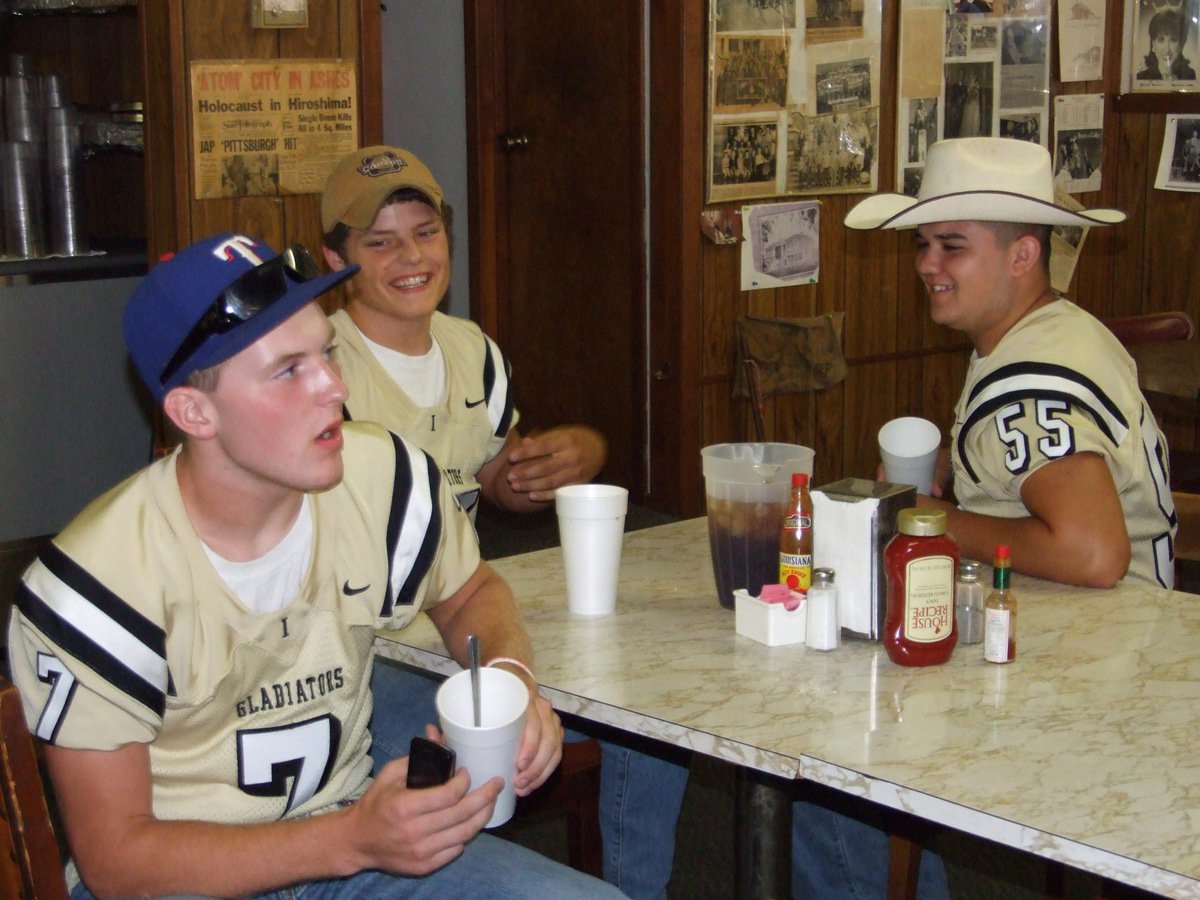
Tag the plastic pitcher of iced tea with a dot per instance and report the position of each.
(746, 488)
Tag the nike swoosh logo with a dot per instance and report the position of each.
(351, 591)
(473, 404)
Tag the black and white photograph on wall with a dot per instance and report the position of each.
(1021, 127)
(922, 127)
(1077, 159)
(971, 6)
(832, 20)
(843, 85)
(744, 158)
(985, 35)
(957, 35)
(754, 15)
(782, 246)
(969, 90)
(912, 180)
(833, 153)
(1179, 166)
(1028, 9)
(750, 73)
(1166, 45)
(1023, 43)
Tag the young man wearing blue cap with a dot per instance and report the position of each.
(195, 648)
(443, 384)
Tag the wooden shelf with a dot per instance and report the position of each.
(116, 261)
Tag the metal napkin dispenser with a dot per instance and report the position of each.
(853, 520)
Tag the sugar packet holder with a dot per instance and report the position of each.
(772, 619)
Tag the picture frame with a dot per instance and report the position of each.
(1161, 50)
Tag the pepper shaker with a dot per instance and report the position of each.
(968, 602)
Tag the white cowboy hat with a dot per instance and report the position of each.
(979, 180)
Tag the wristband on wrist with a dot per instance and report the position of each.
(512, 661)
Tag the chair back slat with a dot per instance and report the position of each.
(33, 863)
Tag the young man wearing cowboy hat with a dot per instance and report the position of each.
(1053, 451)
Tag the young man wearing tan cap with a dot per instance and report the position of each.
(444, 385)
(1054, 451)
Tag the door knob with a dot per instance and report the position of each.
(510, 142)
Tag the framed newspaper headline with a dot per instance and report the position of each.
(793, 97)
(1161, 46)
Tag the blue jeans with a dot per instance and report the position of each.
(641, 793)
(840, 849)
(489, 867)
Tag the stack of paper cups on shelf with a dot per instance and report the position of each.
(40, 159)
(65, 190)
(20, 167)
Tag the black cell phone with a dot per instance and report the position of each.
(429, 763)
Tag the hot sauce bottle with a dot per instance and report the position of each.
(1000, 613)
(796, 537)
(921, 562)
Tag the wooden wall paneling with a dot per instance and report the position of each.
(720, 309)
(870, 403)
(869, 296)
(1131, 176)
(1172, 226)
(324, 36)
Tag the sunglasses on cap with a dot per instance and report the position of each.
(249, 295)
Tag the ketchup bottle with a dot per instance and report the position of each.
(921, 562)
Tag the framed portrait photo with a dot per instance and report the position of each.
(1163, 45)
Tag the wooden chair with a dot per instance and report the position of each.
(1152, 328)
(31, 867)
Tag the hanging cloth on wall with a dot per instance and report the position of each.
(791, 355)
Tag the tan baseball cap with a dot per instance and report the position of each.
(362, 180)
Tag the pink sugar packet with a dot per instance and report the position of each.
(781, 593)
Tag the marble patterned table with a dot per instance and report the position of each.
(1084, 750)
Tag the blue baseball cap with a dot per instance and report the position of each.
(202, 303)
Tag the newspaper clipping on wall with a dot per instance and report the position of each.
(267, 128)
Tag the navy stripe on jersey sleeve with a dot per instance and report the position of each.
(1039, 381)
(91, 623)
(414, 524)
(497, 387)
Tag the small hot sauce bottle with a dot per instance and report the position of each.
(1000, 613)
(921, 562)
(796, 537)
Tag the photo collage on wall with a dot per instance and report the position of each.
(793, 97)
(991, 77)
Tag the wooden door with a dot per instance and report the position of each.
(557, 211)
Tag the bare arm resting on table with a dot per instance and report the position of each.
(484, 607)
(523, 475)
(121, 849)
(1076, 531)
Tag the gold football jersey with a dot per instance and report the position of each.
(124, 632)
(1059, 383)
(470, 426)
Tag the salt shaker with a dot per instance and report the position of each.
(968, 602)
(822, 628)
